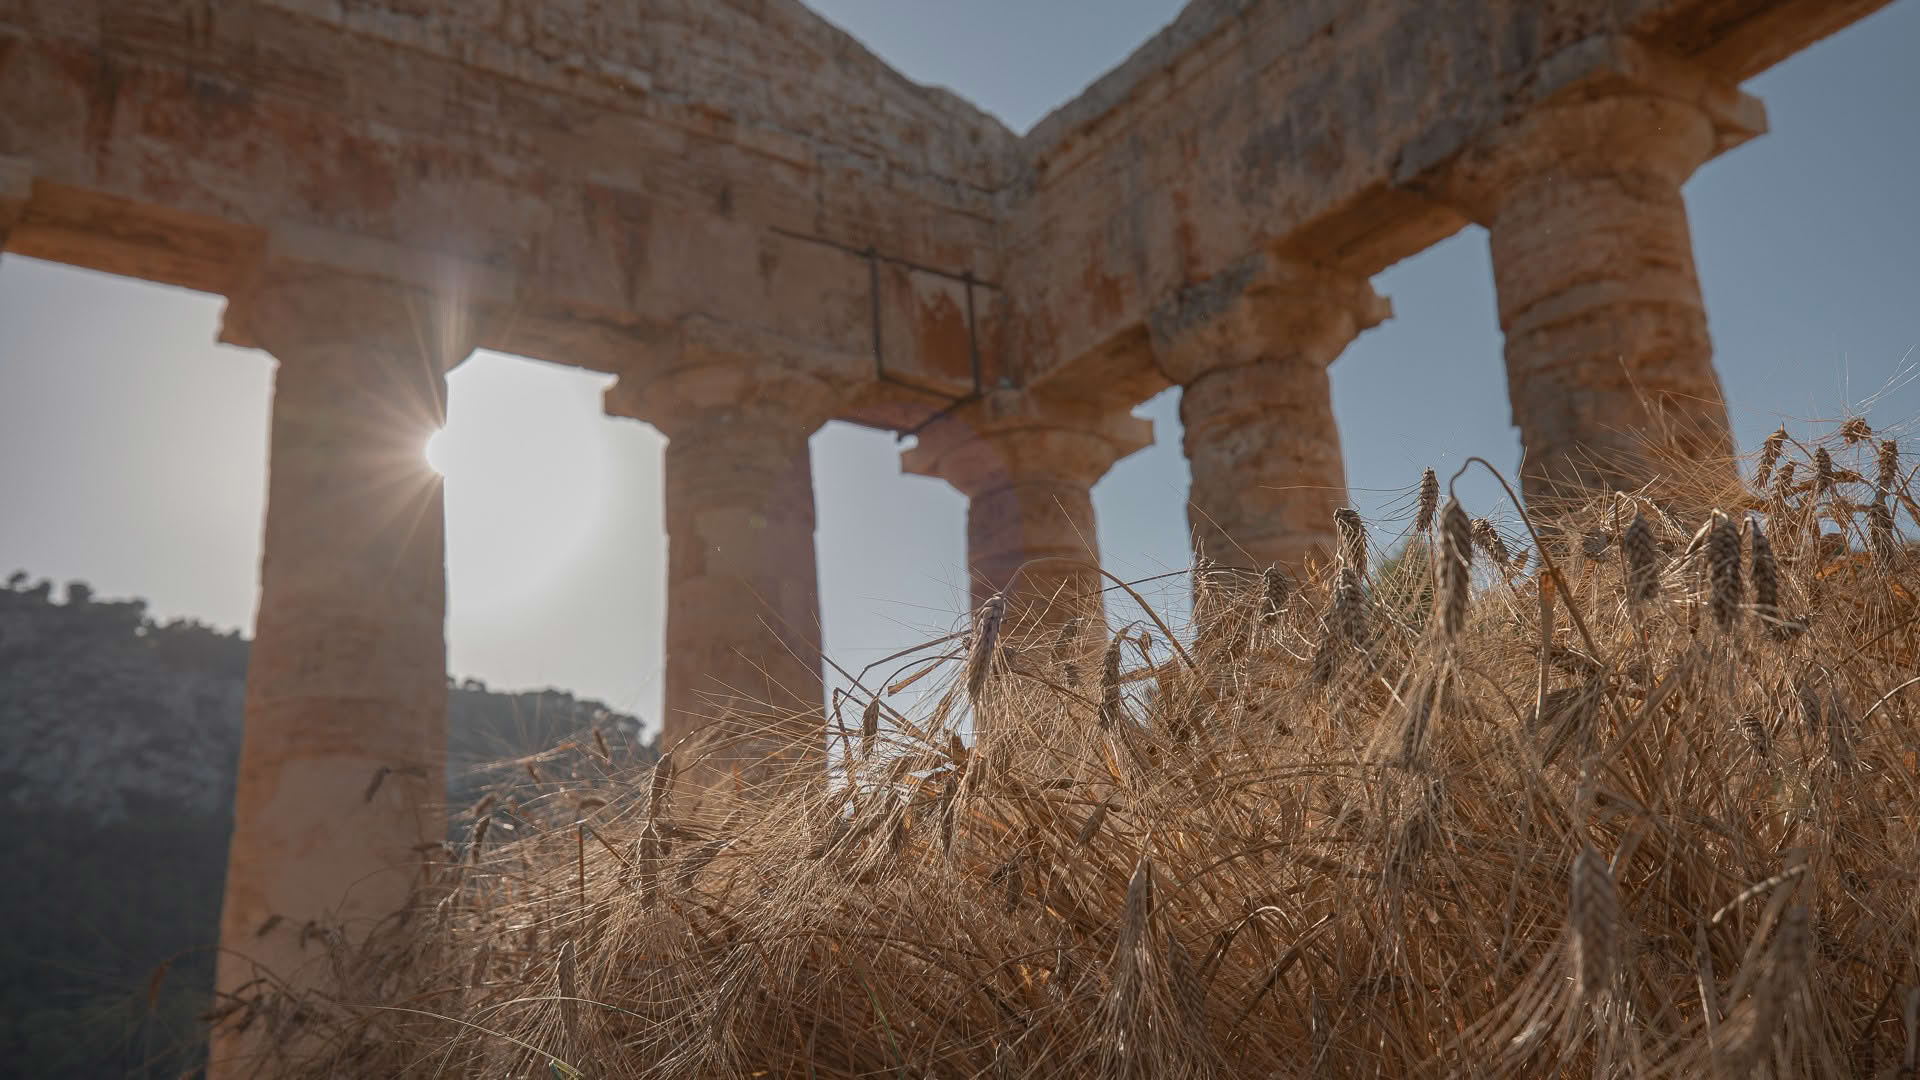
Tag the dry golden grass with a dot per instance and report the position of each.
(1494, 820)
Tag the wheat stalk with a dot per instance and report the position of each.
(1593, 913)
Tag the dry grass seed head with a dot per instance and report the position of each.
(1456, 568)
(1769, 454)
(1202, 573)
(1276, 590)
(1068, 635)
(1880, 533)
(1783, 481)
(660, 788)
(1488, 540)
(1112, 709)
(869, 725)
(1889, 462)
(1350, 607)
(986, 634)
(1642, 558)
(1416, 722)
(1345, 626)
(1766, 579)
(1723, 569)
(1352, 529)
(1823, 475)
(1429, 500)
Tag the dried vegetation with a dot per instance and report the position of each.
(1649, 809)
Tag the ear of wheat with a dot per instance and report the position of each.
(1638, 551)
(1353, 538)
(985, 636)
(1723, 569)
(1769, 454)
(1456, 568)
(1766, 580)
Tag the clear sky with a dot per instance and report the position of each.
(132, 447)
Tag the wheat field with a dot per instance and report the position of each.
(1633, 790)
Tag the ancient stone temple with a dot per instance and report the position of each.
(759, 227)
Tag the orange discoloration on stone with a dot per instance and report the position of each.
(943, 336)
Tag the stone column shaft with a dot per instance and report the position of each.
(743, 597)
(1250, 350)
(342, 764)
(1609, 365)
(1028, 467)
(1265, 457)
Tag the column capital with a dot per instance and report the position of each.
(1013, 433)
(704, 373)
(709, 389)
(1610, 105)
(1027, 463)
(293, 309)
(1262, 308)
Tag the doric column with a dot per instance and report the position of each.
(1609, 366)
(1250, 349)
(1027, 465)
(743, 595)
(342, 763)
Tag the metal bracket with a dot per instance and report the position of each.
(880, 372)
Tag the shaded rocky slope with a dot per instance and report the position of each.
(118, 738)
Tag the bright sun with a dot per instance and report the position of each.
(435, 451)
(524, 454)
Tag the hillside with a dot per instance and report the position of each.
(118, 738)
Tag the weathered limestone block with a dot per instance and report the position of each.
(16, 187)
(1027, 465)
(1609, 365)
(342, 765)
(1251, 349)
(743, 596)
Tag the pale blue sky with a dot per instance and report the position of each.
(132, 447)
